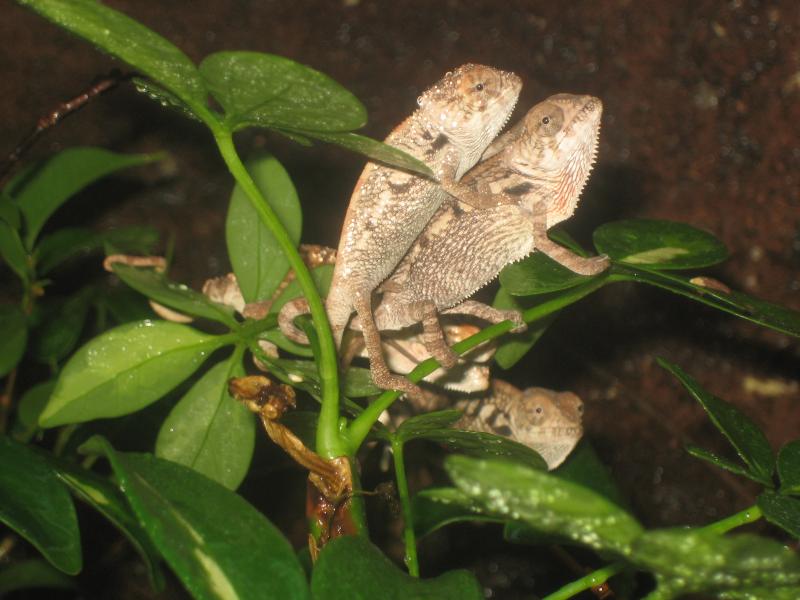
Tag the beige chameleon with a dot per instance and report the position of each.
(547, 421)
(456, 120)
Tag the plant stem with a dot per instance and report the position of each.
(405, 502)
(748, 515)
(359, 428)
(595, 578)
(329, 442)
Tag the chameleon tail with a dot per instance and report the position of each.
(286, 316)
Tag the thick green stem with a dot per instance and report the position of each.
(595, 578)
(405, 502)
(329, 442)
(361, 425)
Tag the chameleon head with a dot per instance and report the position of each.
(549, 422)
(469, 106)
(557, 147)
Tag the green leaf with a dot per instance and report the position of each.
(32, 573)
(256, 257)
(545, 502)
(272, 91)
(30, 407)
(659, 244)
(375, 150)
(511, 348)
(281, 341)
(128, 40)
(125, 305)
(125, 369)
(748, 440)
(583, 467)
(72, 242)
(741, 305)
(789, 467)
(769, 592)
(9, 212)
(538, 274)
(13, 337)
(55, 180)
(435, 427)
(780, 510)
(208, 430)
(694, 561)
(722, 463)
(13, 251)
(106, 499)
(321, 275)
(35, 504)
(419, 426)
(157, 287)
(59, 331)
(167, 99)
(351, 568)
(217, 544)
(358, 383)
(434, 508)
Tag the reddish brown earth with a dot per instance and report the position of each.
(702, 104)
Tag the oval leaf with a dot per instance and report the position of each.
(321, 275)
(659, 244)
(272, 91)
(30, 407)
(780, 510)
(182, 298)
(256, 257)
(125, 369)
(511, 348)
(748, 440)
(13, 337)
(218, 545)
(51, 183)
(351, 568)
(695, 561)
(545, 502)
(106, 499)
(35, 504)
(13, 251)
(538, 274)
(58, 333)
(32, 573)
(434, 508)
(375, 150)
(789, 467)
(128, 40)
(208, 430)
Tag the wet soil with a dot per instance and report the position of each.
(702, 105)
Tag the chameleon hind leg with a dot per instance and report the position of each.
(381, 375)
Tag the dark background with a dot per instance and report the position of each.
(702, 101)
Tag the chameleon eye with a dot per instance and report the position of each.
(539, 410)
(545, 120)
(479, 87)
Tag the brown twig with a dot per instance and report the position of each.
(100, 86)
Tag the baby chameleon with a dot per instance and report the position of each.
(544, 161)
(456, 120)
(549, 422)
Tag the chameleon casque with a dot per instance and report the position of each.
(456, 121)
(543, 163)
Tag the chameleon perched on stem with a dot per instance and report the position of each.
(544, 162)
(456, 120)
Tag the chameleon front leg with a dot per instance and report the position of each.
(381, 376)
(566, 258)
